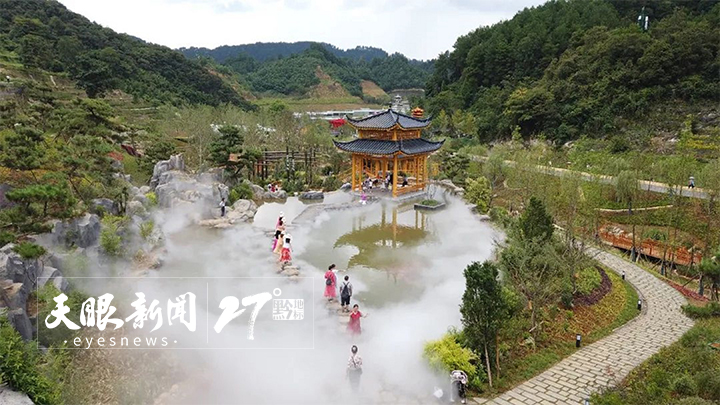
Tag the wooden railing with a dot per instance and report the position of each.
(652, 248)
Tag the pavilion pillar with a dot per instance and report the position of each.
(394, 227)
(395, 176)
(354, 172)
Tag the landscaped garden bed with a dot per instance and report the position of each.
(429, 205)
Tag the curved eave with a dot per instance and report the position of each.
(396, 117)
(391, 147)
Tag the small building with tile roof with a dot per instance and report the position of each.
(390, 144)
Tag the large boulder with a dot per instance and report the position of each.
(81, 232)
(10, 397)
(214, 175)
(15, 296)
(258, 191)
(135, 207)
(18, 269)
(21, 322)
(241, 211)
(53, 276)
(175, 163)
(104, 205)
(312, 195)
(277, 195)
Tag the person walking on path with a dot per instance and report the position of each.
(278, 246)
(354, 368)
(354, 324)
(458, 382)
(279, 229)
(692, 182)
(222, 207)
(330, 283)
(285, 257)
(345, 294)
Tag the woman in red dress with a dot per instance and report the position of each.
(330, 283)
(285, 252)
(354, 324)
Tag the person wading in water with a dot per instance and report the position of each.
(330, 283)
(354, 368)
(345, 294)
(354, 324)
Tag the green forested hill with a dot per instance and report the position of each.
(572, 68)
(290, 68)
(262, 51)
(46, 35)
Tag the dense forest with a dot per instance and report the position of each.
(572, 68)
(290, 68)
(262, 51)
(48, 36)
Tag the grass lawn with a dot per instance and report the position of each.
(686, 372)
(593, 323)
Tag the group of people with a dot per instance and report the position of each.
(345, 291)
(283, 247)
(387, 181)
(282, 242)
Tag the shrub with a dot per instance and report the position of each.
(331, 183)
(694, 401)
(446, 355)
(29, 250)
(619, 144)
(712, 309)
(429, 203)
(654, 234)
(500, 216)
(147, 228)
(55, 337)
(708, 383)
(233, 196)
(152, 198)
(6, 237)
(110, 240)
(479, 194)
(244, 191)
(21, 368)
(588, 279)
(685, 386)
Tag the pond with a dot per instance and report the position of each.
(406, 268)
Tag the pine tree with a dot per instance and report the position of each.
(536, 223)
(483, 308)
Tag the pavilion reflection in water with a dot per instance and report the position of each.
(387, 245)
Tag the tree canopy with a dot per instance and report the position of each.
(570, 68)
(48, 36)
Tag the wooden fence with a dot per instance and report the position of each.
(652, 248)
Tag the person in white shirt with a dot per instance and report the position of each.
(458, 382)
(354, 368)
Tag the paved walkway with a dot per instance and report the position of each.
(646, 185)
(607, 361)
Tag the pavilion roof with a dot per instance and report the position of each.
(383, 147)
(389, 119)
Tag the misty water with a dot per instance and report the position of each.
(406, 269)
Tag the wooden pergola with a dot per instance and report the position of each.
(389, 144)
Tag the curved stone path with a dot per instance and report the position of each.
(607, 361)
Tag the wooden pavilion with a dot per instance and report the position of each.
(389, 143)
